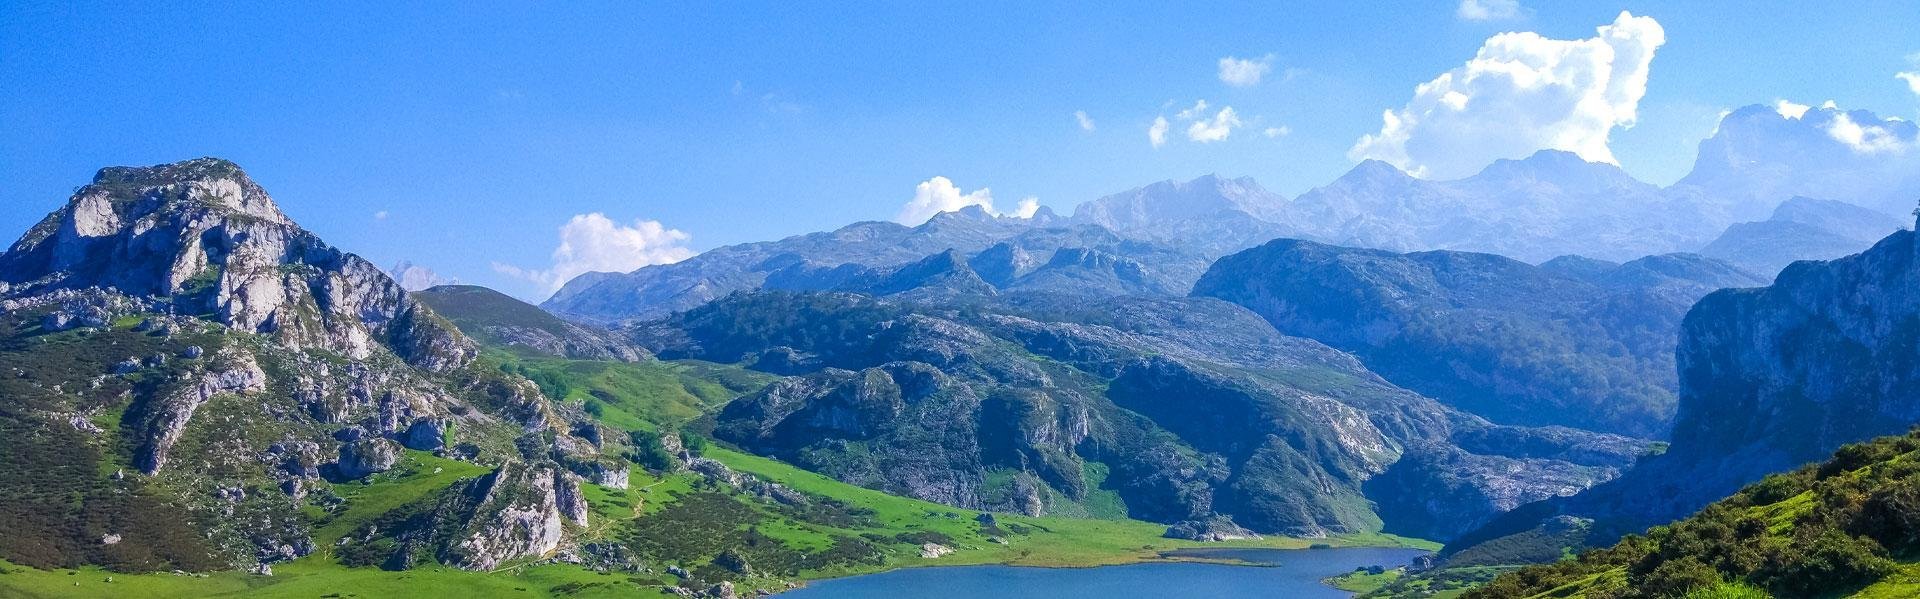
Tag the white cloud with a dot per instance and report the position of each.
(381, 215)
(1245, 72)
(937, 195)
(1027, 207)
(1199, 109)
(1280, 131)
(1519, 94)
(1214, 129)
(1489, 10)
(1086, 123)
(1789, 110)
(1866, 139)
(594, 243)
(1157, 133)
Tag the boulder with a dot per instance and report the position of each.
(426, 434)
(368, 456)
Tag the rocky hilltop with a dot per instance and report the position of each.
(196, 370)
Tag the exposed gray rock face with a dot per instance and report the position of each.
(202, 233)
(164, 416)
(519, 512)
(426, 434)
(368, 456)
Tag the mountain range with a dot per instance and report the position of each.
(1532, 209)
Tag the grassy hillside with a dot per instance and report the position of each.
(665, 519)
(1846, 527)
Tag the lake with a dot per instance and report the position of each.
(1294, 574)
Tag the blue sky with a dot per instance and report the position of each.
(465, 138)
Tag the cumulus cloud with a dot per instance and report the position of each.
(1489, 10)
(1245, 72)
(380, 215)
(1866, 139)
(1789, 109)
(1027, 207)
(1086, 122)
(594, 243)
(1214, 129)
(1281, 131)
(1519, 94)
(1157, 132)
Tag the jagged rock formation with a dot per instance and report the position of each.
(495, 318)
(1572, 342)
(519, 511)
(204, 236)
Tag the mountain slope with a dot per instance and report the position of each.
(1060, 404)
(1494, 336)
(1801, 229)
(494, 318)
(1830, 530)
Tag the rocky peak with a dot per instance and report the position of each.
(200, 237)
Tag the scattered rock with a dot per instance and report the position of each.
(109, 539)
(934, 550)
(193, 352)
(1215, 529)
(127, 366)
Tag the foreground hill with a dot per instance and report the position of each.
(1849, 526)
(1572, 342)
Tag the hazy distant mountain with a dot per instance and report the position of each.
(659, 290)
(1801, 229)
(1208, 215)
(494, 318)
(1549, 204)
(1759, 157)
(414, 277)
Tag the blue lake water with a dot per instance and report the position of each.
(1290, 574)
